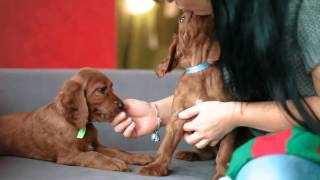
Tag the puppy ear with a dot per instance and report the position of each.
(214, 52)
(170, 62)
(74, 104)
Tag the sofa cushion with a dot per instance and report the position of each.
(12, 168)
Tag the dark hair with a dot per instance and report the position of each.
(255, 54)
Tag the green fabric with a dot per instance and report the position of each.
(240, 157)
(302, 143)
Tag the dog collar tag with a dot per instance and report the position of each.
(81, 133)
(197, 68)
(155, 137)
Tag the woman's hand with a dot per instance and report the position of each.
(139, 119)
(199, 7)
(212, 121)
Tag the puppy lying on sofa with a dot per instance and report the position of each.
(62, 131)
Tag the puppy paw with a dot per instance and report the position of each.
(217, 176)
(220, 171)
(141, 159)
(154, 169)
(187, 156)
(118, 165)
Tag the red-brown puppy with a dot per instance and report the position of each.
(192, 46)
(50, 132)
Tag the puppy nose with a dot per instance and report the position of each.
(120, 105)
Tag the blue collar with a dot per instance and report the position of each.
(197, 68)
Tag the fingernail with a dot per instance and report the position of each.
(133, 124)
(186, 125)
(181, 115)
(129, 120)
(122, 115)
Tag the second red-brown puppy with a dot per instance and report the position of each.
(50, 132)
(191, 46)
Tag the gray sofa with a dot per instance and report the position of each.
(25, 90)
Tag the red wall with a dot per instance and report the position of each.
(57, 33)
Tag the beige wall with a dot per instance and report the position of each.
(143, 40)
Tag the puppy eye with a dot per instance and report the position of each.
(182, 18)
(103, 89)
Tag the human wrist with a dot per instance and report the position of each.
(155, 136)
(164, 107)
(157, 121)
(237, 115)
(157, 113)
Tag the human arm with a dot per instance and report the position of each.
(268, 116)
(213, 120)
(164, 106)
(316, 79)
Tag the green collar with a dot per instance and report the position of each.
(81, 133)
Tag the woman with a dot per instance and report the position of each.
(271, 66)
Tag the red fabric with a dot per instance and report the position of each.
(271, 144)
(57, 33)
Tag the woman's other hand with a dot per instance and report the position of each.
(212, 121)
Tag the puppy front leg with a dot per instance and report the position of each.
(130, 158)
(225, 151)
(93, 160)
(173, 134)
